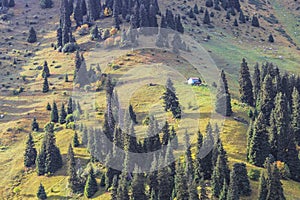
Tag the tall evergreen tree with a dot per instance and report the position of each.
(11, 3)
(74, 181)
(242, 18)
(259, 145)
(197, 161)
(223, 101)
(41, 193)
(171, 103)
(246, 89)
(45, 85)
(296, 115)
(255, 21)
(144, 20)
(242, 179)
(63, 114)
(267, 97)
(91, 186)
(122, 192)
(262, 190)
(181, 183)
(132, 114)
(206, 19)
(233, 190)
(54, 113)
(78, 12)
(35, 125)
(275, 190)
(75, 140)
(30, 152)
(53, 160)
(256, 82)
(46, 71)
(40, 160)
(138, 186)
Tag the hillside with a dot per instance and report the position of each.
(220, 45)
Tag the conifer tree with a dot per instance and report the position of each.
(70, 106)
(114, 188)
(271, 38)
(242, 17)
(63, 114)
(132, 114)
(206, 161)
(193, 193)
(41, 194)
(223, 194)
(152, 16)
(233, 190)
(32, 36)
(256, 82)
(178, 25)
(34, 125)
(189, 169)
(75, 140)
(223, 102)
(138, 186)
(295, 125)
(40, 160)
(181, 183)
(206, 19)
(78, 12)
(53, 160)
(246, 89)
(30, 152)
(45, 85)
(84, 137)
(174, 138)
(48, 107)
(122, 192)
(74, 181)
(46, 4)
(262, 190)
(275, 190)
(197, 160)
(54, 113)
(255, 21)
(242, 179)
(171, 103)
(91, 186)
(46, 71)
(267, 97)
(165, 183)
(203, 192)
(196, 9)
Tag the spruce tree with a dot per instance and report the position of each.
(223, 194)
(30, 152)
(46, 71)
(132, 114)
(41, 193)
(223, 101)
(122, 192)
(46, 4)
(138, 186)
(262, 190)
(233, 190)
(84, 136)
(206, 161)
(76, 140)
(189, 169)
(144, 20)
(246, 89)
(78, 12)
(255, 21)
(271, 38)
(34, 125)
(32, 36)
(197, 161)
(275, 190)
(48, 107)
(242, 179)
(181, 183)
(193, 193)
(70, 106)
(166, 134)
(91, 186)
(295, 125)
(259, 146)
(267, 97)
(256, 82)
(242, 17)
(206, 19)
(40, 160)
(54, 113)
(53, 160)
(45, 85)
(63, 114)
(171, 102)
(75, 184)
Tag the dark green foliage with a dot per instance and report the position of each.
(170, 19)
(30, 152)
(32, 36)
(206, 19)
(138, 186)
(256, 82)
(54, 113)
(40, 160)
(233, 190)
(206, 161)
(114, 188)
(235, 23)
(91, 186)
(203, 192)
(165, 183)
(178, 25)
(174, 138)
(196, 9)
(242, 179)
(223, 102)
(78, 12)
(152, 16)
(70, 106)
(45, 85)
(75, 183)
(275, 190)
(255, 21)
(181, 183)
(48, 107)
(166, 134)
(93, 9)
(144, 21)
(66, 78)
(76, 140)
(223, 194)
(209, 3)
(46, 71)
(11, 3)
(95, 35)
(267, 97)
(132, 114)
(53, 160)
(171, 102)
(41, 193)
(81, 76)
(63, 114)
(220, 174)
(271, 38)
(296, 115)
(189, 169)
(242, 17)
(122, 192)
(259, 147)
(262, 190)
(197, 161)
(193, 193)
(34, 125)
(102, 181)
(246, 88)
(46, 4)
